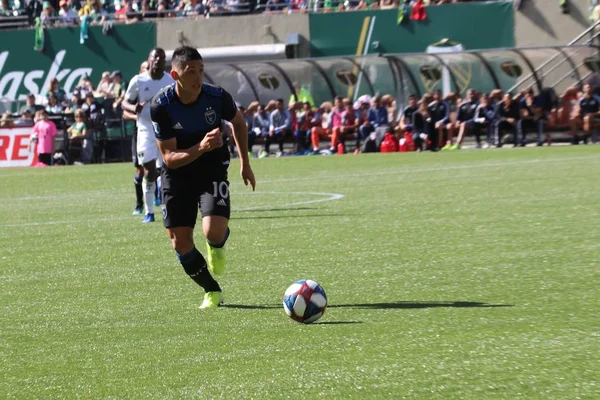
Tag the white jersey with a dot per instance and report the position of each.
(142, 89)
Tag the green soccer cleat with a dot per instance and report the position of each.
(216, 259)
(455, 147)
(212, 300)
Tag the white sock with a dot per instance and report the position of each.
(148, 188)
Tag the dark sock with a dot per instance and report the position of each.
(219, 245)
(195, 266)
(139, 193)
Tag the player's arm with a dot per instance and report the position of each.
(131, 98)
(167, 142)
(231, 113)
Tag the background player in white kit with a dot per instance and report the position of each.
(142, 89)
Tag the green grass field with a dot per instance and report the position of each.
(462, 275)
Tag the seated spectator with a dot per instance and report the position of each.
(77, 134)
(85, 86)
(439, 112)
(43, 135)
(126, 12)
(26, 119)
(57, 91)
(75, 103)
(420, 126)
(30, 105)
(406, 120)
(465, 119)
(117, 91)
(260, 125)
(193, 8)
(303, 130)
(67, 15)
(92, 110)
(532, 117)
(589, 111)
(94, 11)
(280, 125)
(104, 85)
(47, 14)
(348, 126)
(507, 119)
(484, 118)
(6, 122)
(54, 107)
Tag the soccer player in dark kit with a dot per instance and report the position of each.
(187, 118)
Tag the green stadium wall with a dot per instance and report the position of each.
(24, 70)
(475, 26)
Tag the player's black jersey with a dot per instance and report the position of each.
(511, 111)
(588, 106)
(466, 111)
(188, 124)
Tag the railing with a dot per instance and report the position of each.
(593, 34)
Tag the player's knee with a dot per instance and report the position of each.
(182, 243)
(217, 237)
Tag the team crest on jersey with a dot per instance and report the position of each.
(210, 115)
(156, 127)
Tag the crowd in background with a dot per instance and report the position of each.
(69, 12)
(433, 122)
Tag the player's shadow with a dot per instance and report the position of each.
(252, 307)
(420, 304)
(275, 209)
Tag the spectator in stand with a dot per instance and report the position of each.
(6, 121)
(77, 134)
(348, 126)
(116, 91)
(47, 14)
(43, 135)
(4, 8)
(280, 125)
(54, 107)
(92, 109)
(532, 117)
(439, 112)
(94, 11)
(26, 119)
(465, 119)
(75, 103)
(484, 119)
(68, 15)
(589, 111)
(507, 119)
(104, 85)
(57, 91)
(30, 105)
(85, 86)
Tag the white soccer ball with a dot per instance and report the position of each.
(305, 301)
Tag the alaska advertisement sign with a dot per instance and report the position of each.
(24, 70)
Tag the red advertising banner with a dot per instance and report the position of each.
(14, 148)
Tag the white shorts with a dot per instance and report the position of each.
(147, 149)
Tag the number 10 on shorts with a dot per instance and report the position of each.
(220, 189)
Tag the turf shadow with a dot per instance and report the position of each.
(276, 209)
(337, 323)
(420, 304)
(294, 216)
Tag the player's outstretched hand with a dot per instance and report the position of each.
(248, 175)
(212, 140)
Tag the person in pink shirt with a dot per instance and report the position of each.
(335, 123)
(43, 133)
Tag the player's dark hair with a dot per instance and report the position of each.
(183, 54)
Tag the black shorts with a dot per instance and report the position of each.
(134, 156)
(180, 206)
